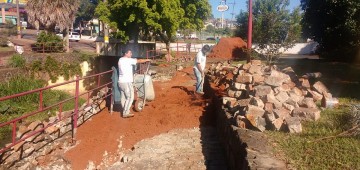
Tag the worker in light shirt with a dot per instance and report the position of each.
(199, 68)
(126, 79)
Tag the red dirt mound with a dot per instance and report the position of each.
(229, 48)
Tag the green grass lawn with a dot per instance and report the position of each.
(307, 150)
(16, 107)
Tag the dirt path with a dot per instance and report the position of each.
(175, 106)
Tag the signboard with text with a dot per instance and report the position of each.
(222, 7)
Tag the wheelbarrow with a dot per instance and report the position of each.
(143, 87)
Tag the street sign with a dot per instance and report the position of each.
(222, 8)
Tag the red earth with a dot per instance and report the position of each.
(175, 106)
(229, 48)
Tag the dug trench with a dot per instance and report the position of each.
(105, 141)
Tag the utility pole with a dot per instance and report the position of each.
(232, 13)
(249, 43)
(18, 20)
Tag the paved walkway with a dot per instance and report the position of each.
(197, 148)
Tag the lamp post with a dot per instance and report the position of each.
(249, 43)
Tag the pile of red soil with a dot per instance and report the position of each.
(229, 48)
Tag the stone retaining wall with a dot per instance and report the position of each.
(29, 153)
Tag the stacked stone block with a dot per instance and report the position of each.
(266, 98)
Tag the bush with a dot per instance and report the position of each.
(3, 39)
(49, 42)
(17, 61)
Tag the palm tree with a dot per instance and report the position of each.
(51, 13)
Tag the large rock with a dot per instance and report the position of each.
(235, 94)
(276, 78)
(282, 113)
(244, 102)
(282, 97)
(315, 95)
(305, 83)
(307, 102)
(245, 78)
(278, 123)
(306, 113)
(257, 78)
(239, 86)
(320, 87)
(255, 116)
(256, 101)
(294, 124)
(289, 71)
(262, 90)
(255, 69)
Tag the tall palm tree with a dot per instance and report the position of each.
(51, 13)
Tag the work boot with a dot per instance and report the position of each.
(128, 115)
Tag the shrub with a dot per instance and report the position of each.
(17, 61)
(49, 42)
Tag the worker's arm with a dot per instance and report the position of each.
(142, 60)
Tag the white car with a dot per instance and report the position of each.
(73, 36)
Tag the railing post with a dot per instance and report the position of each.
(177, 48)
(76, 107)
(41, 100)
(14, 132)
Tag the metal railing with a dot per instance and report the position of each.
(13, 123)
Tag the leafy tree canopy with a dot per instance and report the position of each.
(335, 25)
(162, 17)
(274, 26)
(86, 10)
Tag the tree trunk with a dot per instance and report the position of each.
(67, 45)
(133, 43)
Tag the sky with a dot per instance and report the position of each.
(239, 5)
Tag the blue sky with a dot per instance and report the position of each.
(239, 5)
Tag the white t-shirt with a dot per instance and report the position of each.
(126, 70)
(200, 59)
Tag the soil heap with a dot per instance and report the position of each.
(229, 48)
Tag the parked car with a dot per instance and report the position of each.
(210, 38)
(73, 36)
